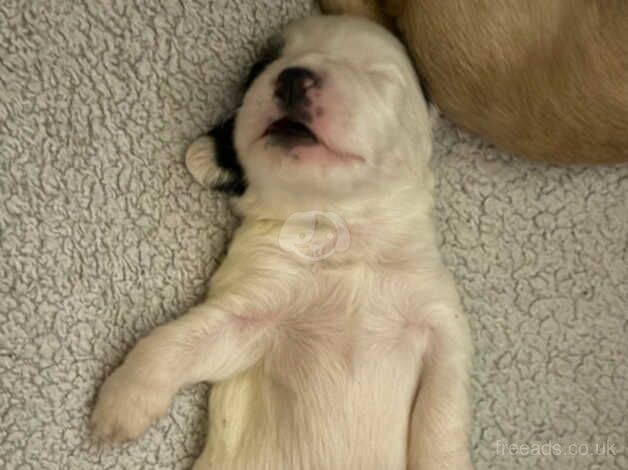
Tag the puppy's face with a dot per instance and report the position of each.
(340, 109)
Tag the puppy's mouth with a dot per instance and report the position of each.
(301, 142)
(289, 131)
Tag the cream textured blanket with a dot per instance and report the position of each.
(104, 235)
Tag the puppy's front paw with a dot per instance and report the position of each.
(126, 407)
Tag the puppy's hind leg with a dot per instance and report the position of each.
(439, 423)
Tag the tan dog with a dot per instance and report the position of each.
(547, 80)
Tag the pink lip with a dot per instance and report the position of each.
(322, 153)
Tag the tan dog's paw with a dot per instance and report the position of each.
(125, 408)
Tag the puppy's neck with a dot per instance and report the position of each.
(392, 227)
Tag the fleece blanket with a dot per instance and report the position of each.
(104, 235)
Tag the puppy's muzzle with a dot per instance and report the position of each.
(292, 86)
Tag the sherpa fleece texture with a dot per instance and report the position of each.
(104, 235)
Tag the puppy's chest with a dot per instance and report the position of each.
(358, 317)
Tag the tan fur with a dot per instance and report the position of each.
(369, 8)
(544, 80)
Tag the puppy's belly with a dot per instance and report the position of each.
(357, 421)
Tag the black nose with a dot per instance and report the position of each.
(292, 85)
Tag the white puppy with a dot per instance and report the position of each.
(332, 331)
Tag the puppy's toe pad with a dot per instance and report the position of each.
(200, 160)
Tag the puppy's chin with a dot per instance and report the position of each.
(310, 170)
(307, 153)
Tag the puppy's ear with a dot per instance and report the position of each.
(213, 162)
(212, 159)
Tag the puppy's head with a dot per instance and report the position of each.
(339, 111)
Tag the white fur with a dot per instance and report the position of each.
(355, 360)
(201, 163)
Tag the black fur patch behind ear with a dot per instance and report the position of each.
(257, 68)
(227, 159)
